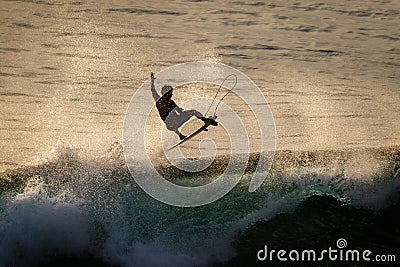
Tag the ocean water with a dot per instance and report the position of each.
(329, 71)
(68, 70)
(70, 211)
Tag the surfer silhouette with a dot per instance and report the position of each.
(172, 115)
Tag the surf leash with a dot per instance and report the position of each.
(219, 88)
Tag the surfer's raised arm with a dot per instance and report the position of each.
(153, 88)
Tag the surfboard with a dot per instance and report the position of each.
(207, 123)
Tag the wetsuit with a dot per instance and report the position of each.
(164, 106)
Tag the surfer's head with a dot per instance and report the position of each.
(166, 90)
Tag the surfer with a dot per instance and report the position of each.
(172, 115)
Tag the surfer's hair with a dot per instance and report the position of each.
(166, 89)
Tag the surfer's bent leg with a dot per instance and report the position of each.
(193, 112)
(181, 136)
(182, 118)
(173, 122)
